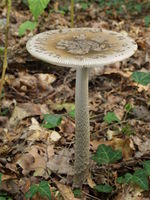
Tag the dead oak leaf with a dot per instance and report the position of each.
(65, 191)
(23, 111)
(60, 163)
(36, 158)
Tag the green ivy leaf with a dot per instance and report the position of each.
(28, 25)
(51, 121)
(104, 188)
(32, 191)
(37, 7)
(142, 78)
(105, 155)
(140, 178)
(44, 189)
(111, 117)
(146, 165)
(72, 113)
(125, 179)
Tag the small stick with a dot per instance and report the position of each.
(72, 13)
(6, 46)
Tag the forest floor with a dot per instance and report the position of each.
(30, 153)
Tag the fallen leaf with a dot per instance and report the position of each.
(54, 136)
(130, 193)
(22, 111)
(91, 183)
(61, 163)
(65, 191)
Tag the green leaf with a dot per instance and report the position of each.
(84, 5)
(37, 7)
(142, 78)
(28, 25)
(105, 155)
(146, 165)
(51, 121)
(104, 188)
(2, 198)
(128, 107)
(140, 178)
(32, 191)
(127, 130)
(0, 178)
(77, 193)
(125, 179)
(111, 117)
(44, 189)
(147, 20)
(72, 113)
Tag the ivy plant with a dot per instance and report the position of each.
(142, 78)
(106, 155)
(111, 117)
(105, 188)
(139, 177)
(42, 188)
(51, 121)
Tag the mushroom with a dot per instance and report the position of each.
(81, 48)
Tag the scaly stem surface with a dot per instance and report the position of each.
(6, 46)
(82, 135)
(72, 13)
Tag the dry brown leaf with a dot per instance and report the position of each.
(130, 193)
(65, 191)
(55, 136)
(91, 183)
(45, 80)
(61, 163)
(33, 160)
(22, 111)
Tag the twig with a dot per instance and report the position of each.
(88, 195)
(6, 46)
(72, 13)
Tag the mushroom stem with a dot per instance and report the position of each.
(82, 136)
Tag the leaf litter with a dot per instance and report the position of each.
(32, 153)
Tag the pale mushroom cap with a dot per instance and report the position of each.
(81, 47)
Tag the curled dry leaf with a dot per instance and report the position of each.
(45, 80)
(61, 163)
(23, 111)
(55, 136)
(130, 193)
(35, 160)
(65, 191)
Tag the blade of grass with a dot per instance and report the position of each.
(72, 13)
(9, 2)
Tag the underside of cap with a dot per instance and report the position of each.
(81, 47)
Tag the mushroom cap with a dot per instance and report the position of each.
(81, 47)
